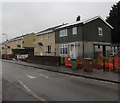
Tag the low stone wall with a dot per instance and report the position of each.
(45, 60)
(7, 56)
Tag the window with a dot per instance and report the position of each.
(41, 37)
(63, 33)
(74, 30)
(8, 47)
(63, 49)
(33, 40)
(48, 49)
(17, 41)
(100, 31)
(18, 46)
(48, 36)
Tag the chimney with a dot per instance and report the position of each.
(78, 18)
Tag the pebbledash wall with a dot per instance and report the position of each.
(87, 41)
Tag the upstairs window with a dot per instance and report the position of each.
(33, 40)
(100, 31)
(74, 30)
(48, 36)
(40, 37)
(17, 41)
(63, 33)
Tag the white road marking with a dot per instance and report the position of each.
(43, 76)
(87, 79)
(31, 77)
(73, 76)
(24, 86)
(32, 93)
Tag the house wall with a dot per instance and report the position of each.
(3, 51)
(90, 31)
(13, 45)
(87, 36)
(45, 42)
(70, 37)
(80, 50)
(91, 48)
(28, 40)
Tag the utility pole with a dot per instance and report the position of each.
(5, 45)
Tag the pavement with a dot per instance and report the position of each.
(101, 75)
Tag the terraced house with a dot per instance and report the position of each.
(84, 38)
(45, 42)
(18, 45)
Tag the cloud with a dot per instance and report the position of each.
(22, 17)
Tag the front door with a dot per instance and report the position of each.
(72, 50)
(41, 51)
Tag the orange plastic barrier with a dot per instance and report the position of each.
(68, 62)
(117, 63)
(110, 63)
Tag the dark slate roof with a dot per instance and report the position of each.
(85, 21)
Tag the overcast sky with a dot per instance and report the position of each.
(23, 17)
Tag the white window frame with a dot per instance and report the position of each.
(100, 31)
(63, 33)
(74, 30)
(63, 49)
(48, 35)
(17, 42)
(46, 49)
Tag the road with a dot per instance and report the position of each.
(51, 86)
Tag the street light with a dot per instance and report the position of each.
(5, 45)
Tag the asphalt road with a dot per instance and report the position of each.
(51, 86)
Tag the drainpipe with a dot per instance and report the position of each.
(83, 40)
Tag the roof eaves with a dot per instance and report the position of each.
(96, 17)
(44, 32)
(71, 24)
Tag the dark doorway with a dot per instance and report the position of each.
(104, 50)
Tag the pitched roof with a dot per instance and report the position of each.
(51, 29)
(19, 37)
(85, 21)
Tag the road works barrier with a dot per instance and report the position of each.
(105, 63)
(68, 62)
(109, 63)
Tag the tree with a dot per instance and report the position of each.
(114, 20)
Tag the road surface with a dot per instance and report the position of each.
(45, 86)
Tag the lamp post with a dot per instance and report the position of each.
(5, 45)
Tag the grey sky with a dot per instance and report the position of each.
(23, 17)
